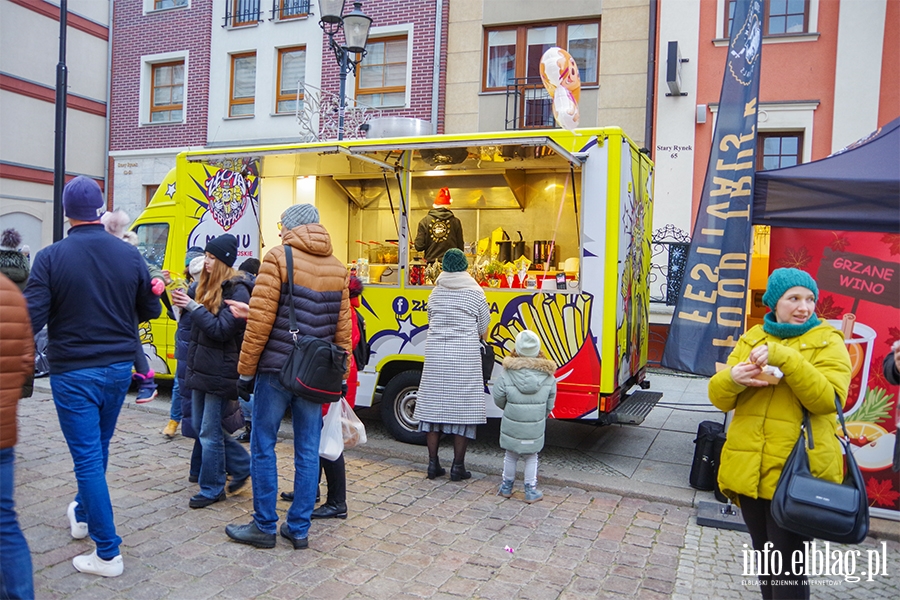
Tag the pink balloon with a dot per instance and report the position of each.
(565, 109)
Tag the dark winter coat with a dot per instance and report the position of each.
(14, 265)
(216, 344)
(437, 233)
(526, 392)
(91, 291)
(232, 419)
(890, 370)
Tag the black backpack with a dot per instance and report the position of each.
(362, 351)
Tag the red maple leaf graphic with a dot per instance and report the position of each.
(893, 242)
(827, 309)
(839, 243)
(796, 259)
(876, 376)
(881, 492)
(893, 334)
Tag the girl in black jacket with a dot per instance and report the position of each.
(211, 374)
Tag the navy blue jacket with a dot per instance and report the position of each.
(215, 345)
(92, 291)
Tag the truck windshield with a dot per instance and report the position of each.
(152, 240)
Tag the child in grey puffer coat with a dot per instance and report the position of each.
(526, 391)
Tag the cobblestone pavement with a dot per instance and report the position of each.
(406, 537)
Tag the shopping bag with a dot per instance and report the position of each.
(331, 444)
(353, 430)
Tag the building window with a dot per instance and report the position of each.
(776, 150)
(780, 17)
(167, 93)
(381, 76)
(515, 52)
(149, 192)
(243, 85)
(290, 9)
(239, 13)
(291, 76)
(163, 4)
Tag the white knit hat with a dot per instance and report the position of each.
(528, 344)
(196, 266)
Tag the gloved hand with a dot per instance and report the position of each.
(245, 388)
(158, 286)
(344, 388)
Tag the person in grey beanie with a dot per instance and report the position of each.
(321, 301)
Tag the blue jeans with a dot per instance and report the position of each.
(88, 402)
(175, 412)
(247, 408)
(269, 405)
(218, 446)
(15, 558)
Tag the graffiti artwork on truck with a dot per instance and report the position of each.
(229, 203)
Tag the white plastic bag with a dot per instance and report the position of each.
(353, 430)
(331, 444)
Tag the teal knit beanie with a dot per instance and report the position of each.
(781, 280)
(454, 261)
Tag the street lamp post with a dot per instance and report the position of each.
(355, 26)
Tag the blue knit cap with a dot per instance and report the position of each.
(454, 261)
(781, 280)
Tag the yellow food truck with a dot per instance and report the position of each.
(556, 223)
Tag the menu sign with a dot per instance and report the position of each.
(860, 277)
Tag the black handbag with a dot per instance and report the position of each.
(807, 505)
(315, 367)
(487, 360)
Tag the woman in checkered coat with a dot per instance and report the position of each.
(451, 393)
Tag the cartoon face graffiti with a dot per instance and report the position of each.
(228, 197)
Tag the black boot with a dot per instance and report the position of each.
(435, 469)
(244, 438)
(458, 472)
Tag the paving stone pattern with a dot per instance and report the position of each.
(406, 537)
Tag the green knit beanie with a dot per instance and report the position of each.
(454, 261)
(781, 280)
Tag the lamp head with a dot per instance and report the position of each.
(356, 29)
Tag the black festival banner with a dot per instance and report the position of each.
(709, 314)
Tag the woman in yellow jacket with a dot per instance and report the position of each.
(815, 365)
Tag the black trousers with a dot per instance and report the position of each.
(757, 515)
(336, 478)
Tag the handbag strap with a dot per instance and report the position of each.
(808, 427)
(289, 259)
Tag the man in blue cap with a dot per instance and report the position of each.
(91, 304)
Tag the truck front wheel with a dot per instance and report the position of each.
(398, 406)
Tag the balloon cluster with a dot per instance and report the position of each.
(560, 76)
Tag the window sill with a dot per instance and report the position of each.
(775, 39)
(290, 114)
(157, 11)
(241, 26)
(161, 123)
(291, 19)
(240, 118)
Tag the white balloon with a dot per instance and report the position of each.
(565, 109)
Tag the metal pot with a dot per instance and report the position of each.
(542, 255)
(518, 248)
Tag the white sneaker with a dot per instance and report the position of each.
(93, 564)
(79, 530)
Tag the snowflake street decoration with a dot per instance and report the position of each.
(318, 113)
